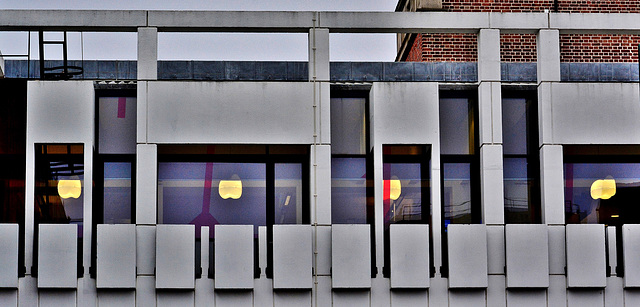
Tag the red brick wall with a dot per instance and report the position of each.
(585, 48)
(573, 6)
(444, 47)
(518, 48)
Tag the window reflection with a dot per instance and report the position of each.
(288, 193)
(583, 207)
(117, 193)
(348, 191)
(59, 192)
(457, 193)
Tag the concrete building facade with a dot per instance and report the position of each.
(184, 183)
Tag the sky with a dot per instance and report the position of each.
(206, 46)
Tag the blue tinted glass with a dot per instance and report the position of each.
(457, 193)
(348, 191)
(117, 193)
(519, 191)
(288, 193)
(402, 192)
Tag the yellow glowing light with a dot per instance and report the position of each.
(615, 215)
(69, 188)
(230, 188)
(603, 188)
(395, 188)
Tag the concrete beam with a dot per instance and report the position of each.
(85, 20)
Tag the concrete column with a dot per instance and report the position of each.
(489, 55)
(147, 53)
(321, 174)
(548, 55)
(552, 184)
(319, 54)
(490, 112)
(491, 183)
(146, 184)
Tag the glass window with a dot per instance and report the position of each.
(348, 126)
(59, 191)
(117, 195)
(348, 191)
(521, 158)
(460, 164)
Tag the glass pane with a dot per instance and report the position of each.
(514, 126)
(288, 193)
(117, 125)
(348, 191)
(457, 193)
(59, 190)
(456, 127)
(519, 192)
(348, 129)
(604, 193)
(207, 193)
(117, 193)
(402, 192)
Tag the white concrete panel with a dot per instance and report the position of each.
(552, 184)
(233, 257)
(439, 292)
(292, 257)
(489, 55)
(50, 298)
(404, 113)
(467, 298)
(595, 113)
(381, 292)
(557, 292)
(614, 293)
(490, 112)
(585, 298)
(58, 256)
(28, 289)
(263, 292)
(586, 264)
(405, 297)
(631, 254)
(60, 111)
(491, 184)
(496, 292)
(495, 249)
(351, 256)
(323, 124)
(204, 249)
(141, 111)
(548, 52)
(292, 299)
(9, 255)
(612, 253)
(323, 291)
(9, 297)
(262, 250)
(544, 114)
(323, 261)
(116, 256)
(631, 297)
(527, 255)
(526, 298)
(230, 112)
(116, 299)
(234, 299)
(204, 292)
(146, 249)
(321, 155)
(467, 247)
(175, 256)
(319, 54)
(175, 298)
(357, 298)
(146, 291)
(409, 258)
(146, 183)
(557, 248)
(147, 53)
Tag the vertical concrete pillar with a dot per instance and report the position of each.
(146, 184)
(321, 188)
(147, 53)
(490, 127)
(319, 54)
(548, 44)
(552, 184)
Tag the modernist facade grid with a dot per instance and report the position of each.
(480, 183)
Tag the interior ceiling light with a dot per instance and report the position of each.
(395, 188)
(70, 188)
(231, 188)
(603, 188)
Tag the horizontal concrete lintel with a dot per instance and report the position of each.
(348, 22)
